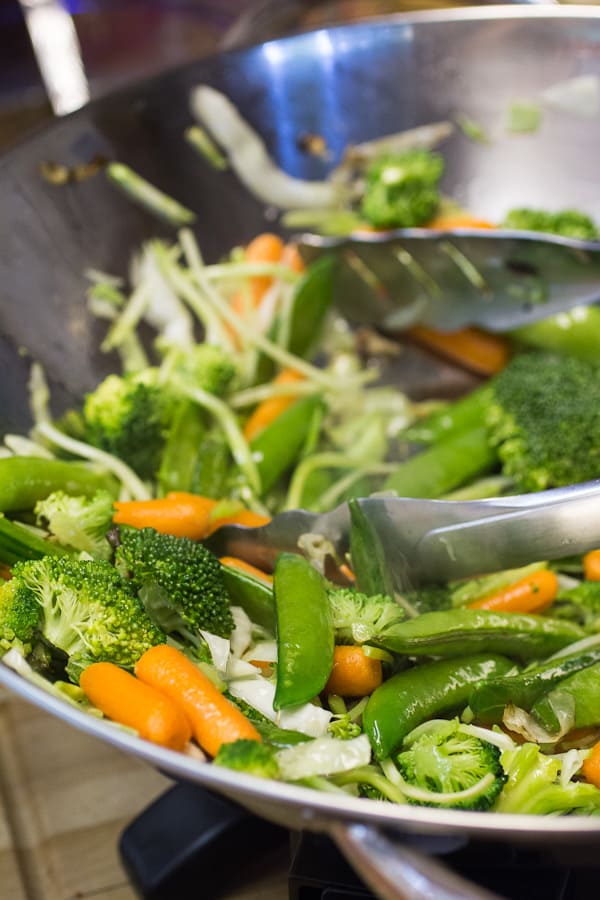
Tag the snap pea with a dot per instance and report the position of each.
(445, 466)
(459, 416)
(310, 304)
(455, 632)
(213, 466)
(583, 688)
(180, 454)
(304, 631)
(253, 595)
(277, 446)
(524, 689)
(367, 554)
(26, 479)
(19, 543)
(437, 688)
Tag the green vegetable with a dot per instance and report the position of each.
(524, 116)
(444, 761)
(149, 196)
(254, 595)
(180, 454)
(423, 692)
(367, 554)
(181, 581)
(19, 617)
(361, 618)
(253, 757)
(533, 786)
(575, 332)
(304, 631)
(580, 604)
(525, 688)
(579, 690)
(24, 480)
(402, 189)
(455, 632)
(277, 446)
(568, 223)
(310, 304)
(80, 523)
(17, 542)
(85, 609)
(453, 418)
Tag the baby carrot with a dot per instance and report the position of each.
(265, 248)
(591, 766)
(214, 720)
(476, 350)
(448, 221)
(179, 513)
(267, 411)
(234, 563)
(291, 258)
(353, 674)
(126, 700)
(243, 517)
(530, 594)
(591, 565)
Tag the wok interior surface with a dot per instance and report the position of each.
(348, 84)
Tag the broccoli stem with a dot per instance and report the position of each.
(445, 466)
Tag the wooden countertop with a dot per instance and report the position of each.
(64, 800)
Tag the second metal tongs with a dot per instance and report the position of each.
(497, 279)
(439, 540)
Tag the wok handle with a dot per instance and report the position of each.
(397, 872)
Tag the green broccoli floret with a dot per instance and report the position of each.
(85, 609)
(430, 598)
(176, 574)
(127, 416)
(568, 223)
(344, 728)
(252, 757)
(19, 616)
(580, 604)
(359, 618)
(533, 786)
(81, 523)
(402, 190)
(538, 420)
(446, 760)
(206, 366)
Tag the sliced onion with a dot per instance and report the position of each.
(323, 756)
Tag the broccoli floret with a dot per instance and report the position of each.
(580, 604)
(127, 416)
(19, 616)
(85, 609)
(344, 728)
(81, 523)
(402, 189)
(430, 598)
(446, 760)
(359, 618)
(177, 573)
(545, 421)
(567, 223)
(533, 786)
(252, 757)
(206, 366)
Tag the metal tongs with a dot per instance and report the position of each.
(439, 540)
(499, 280)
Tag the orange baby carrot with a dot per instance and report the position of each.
(476, 350)
(265, 248)
(126, 700)
(449, 221)
(591, 565)
(291, 258)
(271, 408)
(234, 563)
(214, 720)
(179, 513)
(530, 594)
(243, 517)
(591, 766)
(353, 674)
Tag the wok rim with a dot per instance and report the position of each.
(315, 810)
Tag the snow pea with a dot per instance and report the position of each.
(455, 632)
(180, 454)
(213, 466)
(305, 637)
(575, 332)
(583, 691)
(445, 466)
(459, 416)
(26, 479)
(277, 446)
(310, 304)
(367, 554)
(526, 688)
(253, 595)
(426, 691)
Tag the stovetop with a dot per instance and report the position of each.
(190, 838)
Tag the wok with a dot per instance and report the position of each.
(348, 84)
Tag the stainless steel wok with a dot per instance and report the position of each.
(348, 84)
